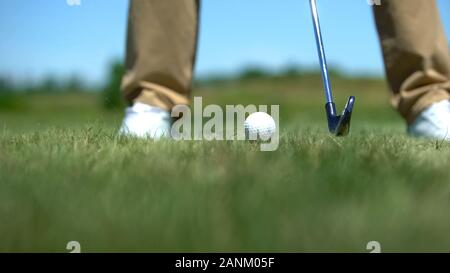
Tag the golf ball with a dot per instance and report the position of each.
(259, 126)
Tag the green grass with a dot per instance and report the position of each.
(65, 175)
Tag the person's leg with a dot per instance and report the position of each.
(416, 54)
(161, 47)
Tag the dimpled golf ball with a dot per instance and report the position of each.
(259, 126)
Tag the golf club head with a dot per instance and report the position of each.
(339, 125)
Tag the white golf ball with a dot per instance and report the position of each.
(259, 126)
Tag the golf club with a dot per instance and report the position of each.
(338, 125)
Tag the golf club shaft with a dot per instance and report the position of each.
(321, 52)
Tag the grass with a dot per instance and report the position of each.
(65, 175)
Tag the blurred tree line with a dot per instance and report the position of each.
(110, 95)
(12, 94)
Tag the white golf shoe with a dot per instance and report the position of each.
(145, 121)
(433, 122)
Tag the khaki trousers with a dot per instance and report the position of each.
(162, 37)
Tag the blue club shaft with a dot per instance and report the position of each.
(321, 52)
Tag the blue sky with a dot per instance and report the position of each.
(50, 37)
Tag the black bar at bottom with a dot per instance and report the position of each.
(222, 262)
